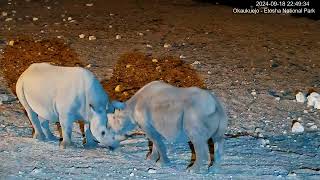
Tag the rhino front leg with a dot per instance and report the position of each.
(66, 127)
(160, 147)
(46, 129)
(89, 139)
(38, 133)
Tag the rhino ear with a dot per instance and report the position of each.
(118, 104)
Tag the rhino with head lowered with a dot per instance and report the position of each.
(176, 114)
(65, 94)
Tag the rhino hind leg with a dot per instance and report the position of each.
(202, 155)
(154, 155)
(46, 129)
(218, 151)
(38, 133)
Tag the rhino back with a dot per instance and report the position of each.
(52, 90)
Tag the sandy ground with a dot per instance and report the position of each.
(273, 55)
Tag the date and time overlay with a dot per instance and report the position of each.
(278, 7)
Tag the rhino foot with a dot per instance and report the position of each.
(65, 144)
(39, 136)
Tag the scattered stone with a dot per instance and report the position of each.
(8, 19)
(4, 13)
(313, 127)
(299, 119)
(69, 18)
(297, 127)
(118, 36)
(166, 45)
(292, 174)
(128, 65)
(140, 34)
(35, 19)
(182, 57)
(59, 37)
(310, 124)
(92, 38)
(305, 111)
(155, 60)
(111, 14)
(195, 63)
(277, 98)
(149, 46)
(253, 93)
(258, 130)
(152, 171)
(118, 88)
(300, 97)
(11, 43)
(312, 98)
(110, 26)
(209, 72)
(48, 7)
(265, 142)
(89, 66)
(81, 36)
(89, 4)
(36, 171)
(131, 174)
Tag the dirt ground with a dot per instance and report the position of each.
(254, 63)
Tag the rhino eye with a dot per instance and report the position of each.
(103, 133)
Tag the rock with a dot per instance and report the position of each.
(59, 37)
(305, 111)
(36, 171)
(140, 34)
(89, 4)
(11, 43)
(313, 127)
(312, 98)
(118, 36)
(131, 174)
(297, 127)
(292, 174)
(209, 72)
(182, 57)
(277, 98)
(81, 36)
(195, 63)
(110, 26)
(149, 46)
(69, 18)
(166, 45)
(152, 171)
(118, 88)
(265, 142)
(128, 65)
(4, 13)
(89, 66)
(253, 93)
(8, 19)
(92, 38)
(300, 97)
(35, 19)
(155, 60)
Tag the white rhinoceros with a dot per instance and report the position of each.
(64, 94)
(175, 114)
